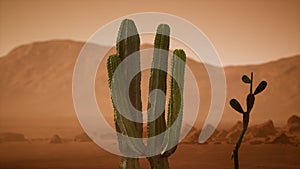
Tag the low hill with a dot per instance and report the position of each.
(36, 89)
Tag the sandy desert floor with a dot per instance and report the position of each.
(72, 155)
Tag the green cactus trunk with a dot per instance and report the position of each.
(122, 124)
(158, 162)
(128, 43)
(158, 81)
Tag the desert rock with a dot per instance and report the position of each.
(83, 137)
(9, 136)
(55, 139)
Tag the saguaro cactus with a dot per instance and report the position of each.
(246, 114)
(128, 43)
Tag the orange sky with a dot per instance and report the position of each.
(242, 32)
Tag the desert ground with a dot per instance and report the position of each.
(73, 155)
(264, 146)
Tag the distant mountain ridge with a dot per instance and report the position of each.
(36, 88)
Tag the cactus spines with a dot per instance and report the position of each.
(123, 125)
(112, 63)
(128, 44)
(128, 40)
(246, 114)
(158, 79)
(175, 106)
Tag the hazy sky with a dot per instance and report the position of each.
(242, 32)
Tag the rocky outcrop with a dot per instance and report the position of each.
(9, 136)
(262, 130)
(234, 132)
(264, 133)
(293, 124)
(55, 139)
(283, 139)
(83, 137)
(192, 136)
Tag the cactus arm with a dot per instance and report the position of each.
(112, 63)
(125, 162)
(158, 81)
(122, 124)
(251, 84)
(125, 126)
(158, 77)
(175, 106)
(128, 44)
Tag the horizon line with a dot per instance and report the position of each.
(191, 58)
